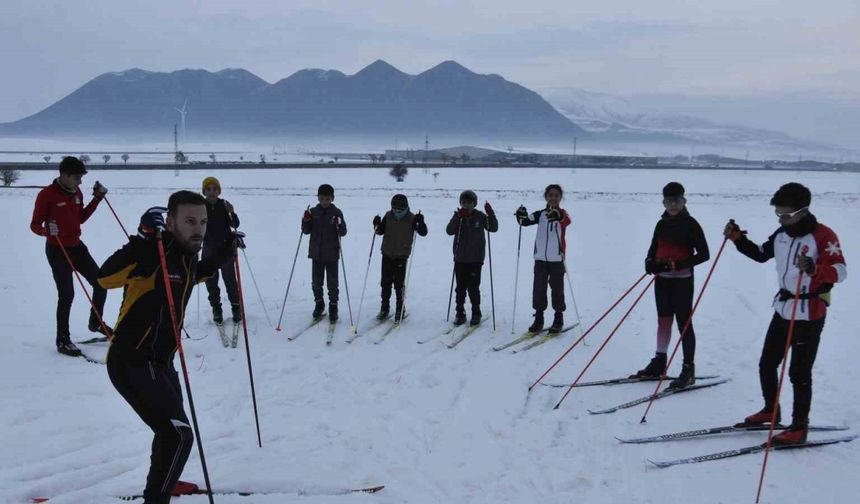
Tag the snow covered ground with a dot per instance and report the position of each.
(432, 424)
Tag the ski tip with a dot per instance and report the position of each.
(621, 440)
(661, 465)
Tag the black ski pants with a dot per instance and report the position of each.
(87, 267)
(674, 297)
(228, 271)
(152, 389)
(804, 347)
(393, 274)
(325, 271)
(552, 274)
(468, 280)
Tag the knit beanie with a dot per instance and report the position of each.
(399, 201)
(208, 181)
(673, 190)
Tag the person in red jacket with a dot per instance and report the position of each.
(801, 246)
(58, 215)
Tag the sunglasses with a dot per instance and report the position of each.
(788, 215)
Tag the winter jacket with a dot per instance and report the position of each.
(397, 234)
(219, 223)
(806, 237)
(64, 207)
(468, 233)
(550, 245)
(680, 242)
(324, 245)
(144, 328)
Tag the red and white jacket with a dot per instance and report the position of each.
(818, 242)
(550, 245)
(66, 209)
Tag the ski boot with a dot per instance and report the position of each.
(686, 378)
(319, 308)
(237, 312)
(761, 418)
(557, 323)
(476, 317)
(96, 327)
(654, 369)
(794, 434)
(459, 316)
(537, 325)
(217, 314)
(332, 312)
(66, 347)
(399, 310)
(184, 488)
(384, 311)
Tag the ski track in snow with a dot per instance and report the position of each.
(432, 424)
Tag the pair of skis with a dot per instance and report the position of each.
(529, 335)
(376, 323)
(458, 338)
(309, 493)
(229, 341)
(730, 429)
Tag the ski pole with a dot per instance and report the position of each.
(290, 281)
(247, 347)
(256, 287)
(170, 305)
(517, 277)
(618, 326)
(345, 283)
(607, 312)
(364, 287)
(408, 274)
(685, 329)
(781, 377)
(83, 288)
(492, 294)
(104, 197)
(454, 269)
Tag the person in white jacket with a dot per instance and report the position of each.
(549, 253)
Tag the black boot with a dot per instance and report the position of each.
(237, 313)
(96, 327)
(557, 323)
(319, 309)
(654, 369)
(537, 325)
(217, 314)
(332, 312)
(399, 311)
(476, 317)
(66, 347)
(686, 378)
(384, 310)
(459, 315)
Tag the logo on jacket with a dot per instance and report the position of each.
(833, 248)
(78, 201)
(175, 278)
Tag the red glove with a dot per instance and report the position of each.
(488, 208)
(462, 213)
(336, 220)
(307, 216)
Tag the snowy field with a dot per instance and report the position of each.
(434, 425)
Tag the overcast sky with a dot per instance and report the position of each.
(732, 47)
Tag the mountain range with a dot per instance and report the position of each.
(380, 100)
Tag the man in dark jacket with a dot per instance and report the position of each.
(398, 227)
(467, 226)
(140, 358)
(58, 215)
(326, 226)
(222, 219)
(678, 244)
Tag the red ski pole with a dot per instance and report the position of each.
(684, 330)
(575, 343)
(170, 305)
(781, 378)
(115, 215)
(83, 288)
(247, 349)
(618, 326)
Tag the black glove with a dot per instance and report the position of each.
(151, 221)
(553, 215)
(521, 214)
(239, 239)
(650, 266)
(806, 264)
(99, 191)
(418, 222)
(377, 220)
(732, 231)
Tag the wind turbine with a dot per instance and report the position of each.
(182, 113)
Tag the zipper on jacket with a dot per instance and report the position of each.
(788, 263)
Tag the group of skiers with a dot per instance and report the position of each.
(140, 358)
